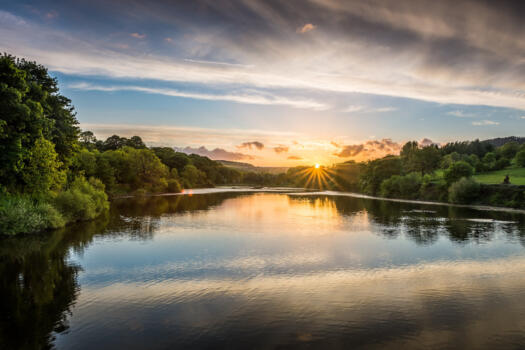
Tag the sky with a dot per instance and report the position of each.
(281, 83)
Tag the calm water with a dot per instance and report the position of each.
(268, 270)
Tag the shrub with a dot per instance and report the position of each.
(24, 215)
(83, 200)
(520, 158)
(464, 191)
(458, 170)
(501, 163)
(398, 186)
(173, 186)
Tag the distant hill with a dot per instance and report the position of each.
(250, 167)
(500, 141)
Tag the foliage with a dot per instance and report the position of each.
(423, 160)
(509, 149)
(520, 158)
(42, 171)
(83, 200)
(468, 147)
(402, 186)
(173, 186)
(458, 170)
(464, 191)
(22, 214)
(378, 170)
(31, 109)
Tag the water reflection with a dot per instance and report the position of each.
(246, 270)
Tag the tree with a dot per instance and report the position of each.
(375, 171)
(520, 158)
(88, 140)
(457, 171)
(136, 142)
(509, 149)
(42, 171)
(31, 108)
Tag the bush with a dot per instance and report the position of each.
(398, 186)
(83, 200)
(24, 215)
(520, 158)
(458, 170)
(173, 186)
(464, 191)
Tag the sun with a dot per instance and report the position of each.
(317, 166)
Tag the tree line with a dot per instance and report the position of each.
(52, 173)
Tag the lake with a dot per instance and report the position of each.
(246, 269)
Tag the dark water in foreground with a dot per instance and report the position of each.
(254, 270)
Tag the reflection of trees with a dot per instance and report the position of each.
(37, 288)
(38, 285)
(424, 224)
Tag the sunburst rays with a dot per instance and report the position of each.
(318, 177)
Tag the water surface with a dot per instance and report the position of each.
(268, 270)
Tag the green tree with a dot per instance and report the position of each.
(520, 158)
(509, 149)
(376, 171)
(42, 171)
(458, 170)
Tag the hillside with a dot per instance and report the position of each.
(500, 141)
(247, 167)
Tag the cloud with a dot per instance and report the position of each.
(281, 149)
(216, 154)
(425, 142)
(52, 14)
(168, 40)
(306, 28)
(429, 51)
(255, 144)
(350, 151)
(485, 122)
(364, 109)
(384, 109)
(522, 117)
(352, 109)
(461, 114)
(251, 97)
(138, 35)
(295, 158)
(368, 150)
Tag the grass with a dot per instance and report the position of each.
(516, 175)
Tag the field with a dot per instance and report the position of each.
(516, 175)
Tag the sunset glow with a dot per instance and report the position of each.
(342, 81)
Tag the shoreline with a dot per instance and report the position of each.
(295, 191)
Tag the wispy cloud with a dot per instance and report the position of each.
(430, 52)
(249, 98)
(461, 114)
(51, 14)
(384, 109)
(485, 123)
(255, 144)
(138, 35)
(281, 149)
(353, 108)
(368, 109)
(295, 158)
(306, 28)
(367, 150)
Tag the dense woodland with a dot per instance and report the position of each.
(52, 173)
